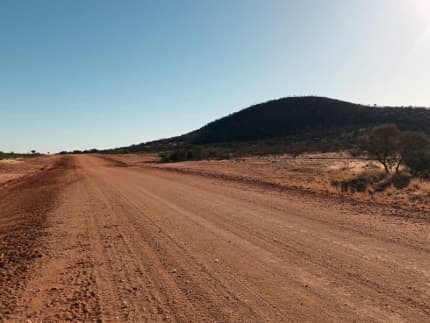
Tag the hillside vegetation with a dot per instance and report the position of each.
(305, 115)
(287, 125)
(297, 116)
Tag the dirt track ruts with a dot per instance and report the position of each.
(144, 245)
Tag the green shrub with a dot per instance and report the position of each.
(418, 162)
(193, 153)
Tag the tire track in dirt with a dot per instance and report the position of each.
(24, 205)
(126, 244)
(63, 286)
(162, 251)
(340, 266)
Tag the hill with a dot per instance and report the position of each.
(310, 116)
(305, 115)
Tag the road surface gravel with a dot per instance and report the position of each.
(90, 239)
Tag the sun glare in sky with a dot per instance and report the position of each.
(423, 6)
(109, 73)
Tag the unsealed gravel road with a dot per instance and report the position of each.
(89, 239)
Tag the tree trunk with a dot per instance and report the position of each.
(398, 165)
(387, 170)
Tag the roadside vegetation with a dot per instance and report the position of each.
(383, 163)
(292, 145)
(12, 155)
(394, 148)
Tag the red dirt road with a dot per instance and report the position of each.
(90, 240)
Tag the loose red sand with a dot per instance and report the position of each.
(90, 239)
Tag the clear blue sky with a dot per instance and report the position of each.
(83, 74)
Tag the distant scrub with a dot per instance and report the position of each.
(12, 155)
(294, 145)
(194, 153)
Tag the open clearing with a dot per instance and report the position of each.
(87, 238)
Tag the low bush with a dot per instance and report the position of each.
(372, 182)
(193, 153)
(360, 183)
(418, 162)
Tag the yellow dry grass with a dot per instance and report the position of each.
(316, 172)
